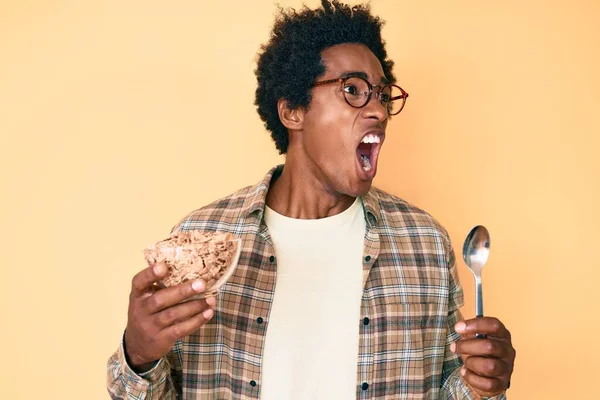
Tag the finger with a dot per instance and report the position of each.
(473, 336)
(184, 328)
(484, 325)
(144, 280)
(165, 298)
(180, 312)
(468, 336)
(487, 367)
(488, 387)
(211, 301)
(481, 347)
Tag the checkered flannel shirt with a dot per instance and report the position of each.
(410, 303)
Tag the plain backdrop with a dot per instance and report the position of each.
(117, 118)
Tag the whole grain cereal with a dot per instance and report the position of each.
(194, 254)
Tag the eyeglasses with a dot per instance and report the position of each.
(357, 92)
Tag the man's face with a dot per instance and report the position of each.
(343, 142)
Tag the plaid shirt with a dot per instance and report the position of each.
(410, 303)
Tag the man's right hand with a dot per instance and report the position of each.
(157, 318)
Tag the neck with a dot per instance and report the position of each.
(303, 193)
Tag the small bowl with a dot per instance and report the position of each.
(214, 288)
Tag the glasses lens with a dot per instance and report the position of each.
(356, 91)
(392, 97)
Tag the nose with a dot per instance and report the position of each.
(374, 109)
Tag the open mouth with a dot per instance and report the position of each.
(367, 151)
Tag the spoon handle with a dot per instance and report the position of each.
(478, 297)
(479, 301)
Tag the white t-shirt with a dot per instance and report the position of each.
(311, 345)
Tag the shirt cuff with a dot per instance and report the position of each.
(499, 396)
(456, 388)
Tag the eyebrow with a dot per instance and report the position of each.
(363, 75)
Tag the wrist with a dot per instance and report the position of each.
(136, 363)
(140, 369)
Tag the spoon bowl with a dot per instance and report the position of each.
(476, 251)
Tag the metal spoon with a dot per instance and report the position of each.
(476, 251)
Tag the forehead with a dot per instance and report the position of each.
(351, 57)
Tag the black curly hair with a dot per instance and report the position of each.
(289, 63)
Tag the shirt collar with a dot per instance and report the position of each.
(257, 196)
(372, 206)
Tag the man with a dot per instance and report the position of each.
(342, 290)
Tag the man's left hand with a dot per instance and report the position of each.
(488, 362)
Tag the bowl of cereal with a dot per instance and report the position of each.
(194, 254)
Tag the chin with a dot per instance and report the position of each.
(358, 189)
(364, 189)
(350, 183)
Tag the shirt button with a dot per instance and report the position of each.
(272, 259)
(368, 258)
(253, 383)
(259, 320)
(366, 321)
(364, 386)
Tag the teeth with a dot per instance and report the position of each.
(365, 162)
(371, 138)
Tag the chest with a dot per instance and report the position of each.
(403, 304)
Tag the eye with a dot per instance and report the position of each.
(385, 97)
(351, 89)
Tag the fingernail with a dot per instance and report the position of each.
(453, 347)
(460, 327)
(159, 269)
(463, 371)
(211, 301)
(207, 314)
(198, 285)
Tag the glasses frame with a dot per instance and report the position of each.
(403, 96)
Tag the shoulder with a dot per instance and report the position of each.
(222, 214)
(398, 214)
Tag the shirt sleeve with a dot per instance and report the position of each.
(453, 386)
(162, 382)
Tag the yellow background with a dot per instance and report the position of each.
(119, 117)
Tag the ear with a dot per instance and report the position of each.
(292, 119)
